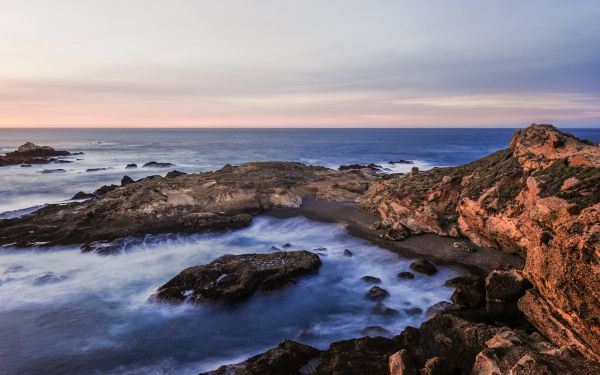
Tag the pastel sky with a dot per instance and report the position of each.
(300, 63)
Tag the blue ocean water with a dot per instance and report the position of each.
(64, 312)
(193, 150)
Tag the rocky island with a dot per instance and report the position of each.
(30, 153)
(538, 200)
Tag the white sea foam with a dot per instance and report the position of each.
(95, 312)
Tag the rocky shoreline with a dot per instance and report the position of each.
(524, 221)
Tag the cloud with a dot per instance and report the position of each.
(311, 63)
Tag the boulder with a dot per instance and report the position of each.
(469, 291)
(405, 275)
(232, 278)
(174, 174)
(423, 266)
(381, 308)
(503, 288)
(371, 279)
(377, 294)
(347, 253)
(131, 166)
(289, 357)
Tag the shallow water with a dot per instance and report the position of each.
(92, 315)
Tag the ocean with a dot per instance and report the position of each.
(65, 312)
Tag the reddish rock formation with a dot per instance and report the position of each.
(539, 198)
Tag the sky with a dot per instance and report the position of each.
(299, 63)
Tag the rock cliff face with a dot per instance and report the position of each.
(191, 203)
(539, 198)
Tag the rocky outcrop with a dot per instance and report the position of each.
(538, 198)
(289, 357)
(223, 199)
(30, 153)
(232, 278)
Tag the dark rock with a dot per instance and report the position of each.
(48, 278)
(13, 269)
(413, 311)
(96, 169)
(377, 294)
(174, 174)
(105, 189)
(402, 161)
(381, 308)
(464, 246)
(371, 279)
(373, 167)
(439, 308)
(287, 358)
(347, 253)
(83, 195)
(397, 233)
(362, 356)
(320, 249)
(470, 291)
(154, 164)
(131, 166)
(423, 266)
(374, 331)
(405, 275)
(48, 171)
(232, 278)
(25, 165)
(502, 291)
(286, 245)
(126, 180)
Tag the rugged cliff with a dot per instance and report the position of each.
(540, 197)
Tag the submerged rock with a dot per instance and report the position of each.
(423, 266)
(50, 171)
(154, 164)
(347, 253)
(377, 294)
(381, 308)
(371, 279)
(232, 278)
(405, 275)
(131, 166)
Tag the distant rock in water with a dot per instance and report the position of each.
(377, 294)
(154, 164)
(96, 169)
(131, 166)
(371, 279)
(30, 153)
(49, 171)
(401, 161)
(232, 278)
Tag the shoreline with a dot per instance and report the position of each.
(433, 247)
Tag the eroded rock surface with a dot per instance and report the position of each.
(539, 198)
(223, 199)
(232, 278)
